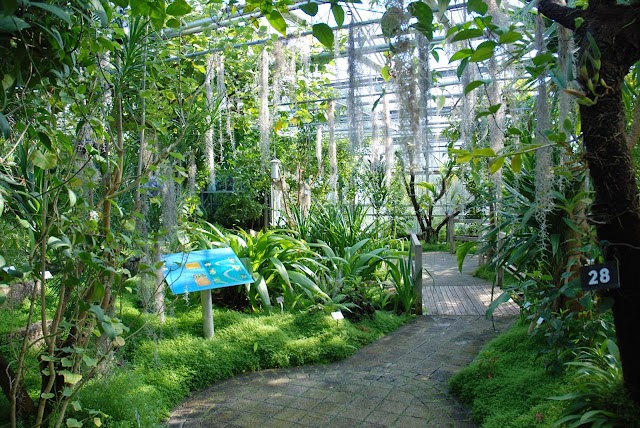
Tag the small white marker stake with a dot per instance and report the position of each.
(337, 315)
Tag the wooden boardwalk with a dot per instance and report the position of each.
(447, 291)
(463, 300)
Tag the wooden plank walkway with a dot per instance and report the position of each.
(463, 300)
(447, 291)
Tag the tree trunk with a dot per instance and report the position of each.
(24, 404)
(615, 211)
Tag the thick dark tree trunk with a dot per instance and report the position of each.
(616, 210)
(24, 404)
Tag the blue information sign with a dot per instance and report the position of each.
(203, 270)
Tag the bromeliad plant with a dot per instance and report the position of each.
(281, 265)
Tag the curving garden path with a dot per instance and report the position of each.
(398, 381)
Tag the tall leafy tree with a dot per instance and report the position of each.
(608, 35)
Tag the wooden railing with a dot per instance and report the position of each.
(451, 231)
(416, 273)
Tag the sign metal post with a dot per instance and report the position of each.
(203, 271)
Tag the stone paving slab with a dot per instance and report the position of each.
(398, 381)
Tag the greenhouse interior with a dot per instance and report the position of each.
(314, 213)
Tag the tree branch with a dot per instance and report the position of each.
(557, 11)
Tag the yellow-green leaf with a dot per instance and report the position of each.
(44, 161)
(70, 378)
(516, 163)
(72, 197)
(277, 22)
(496, 164)
(73, 423)
(385, 75)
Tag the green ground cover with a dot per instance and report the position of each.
(160, 364)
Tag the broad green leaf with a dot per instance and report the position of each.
(282, 270)
(70, 378)
(109, 330)
(324, 34)
(510, 37)
(494, 108)
(338, 14)
(543, 58)
(483, 52)
(73, 423)
(97, 422)
(47, 395)
(462, 53)
(12, 24)
(45, 160)
(473, 85)
(463, 64)
(172, 23)
(90, 362)
(422, 12)
(310, 8)
(130, 224)
(471, 33)
(514, 131)
(477, 6)
(76, 406)
(10, 6)
(55, 10)
(178, 8)
(2, 261)
(277, 22)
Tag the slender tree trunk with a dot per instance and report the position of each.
(615, 211)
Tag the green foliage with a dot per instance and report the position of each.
(507, 385)
(126, 398)
(163, 371)
(403, 283)
(337, 226)
(599, 398)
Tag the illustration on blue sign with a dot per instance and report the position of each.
(203, 270)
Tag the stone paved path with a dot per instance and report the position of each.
(398, 381)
